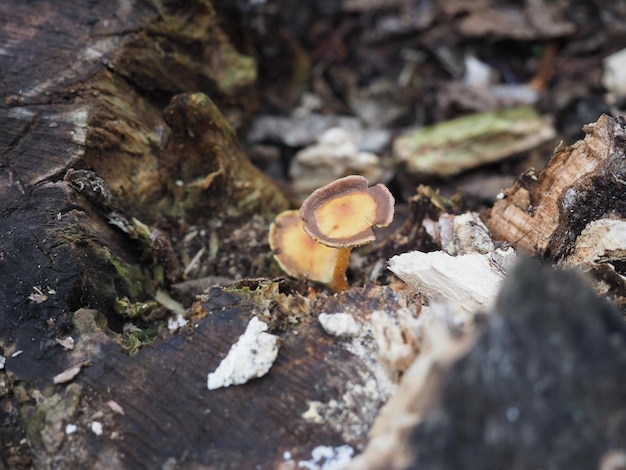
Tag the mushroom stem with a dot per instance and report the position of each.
(340, 283)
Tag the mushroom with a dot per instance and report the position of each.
(298, 254)
(341, 215)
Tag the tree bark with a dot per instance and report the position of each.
(573, 213)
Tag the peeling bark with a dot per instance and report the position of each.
(539, 383)
(576, 200)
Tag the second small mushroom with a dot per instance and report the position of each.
(298, 254)
(341, 215)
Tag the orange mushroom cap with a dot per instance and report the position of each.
(342, 213)
(298, 254)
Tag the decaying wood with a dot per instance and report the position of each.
(572, 213)
(465, 274)
(109, 132)
(323, 390)
(87, 240)
(467, 283)
(540, 384)
(576, 202)
(89, 165)
(219, 184)
(441, 344)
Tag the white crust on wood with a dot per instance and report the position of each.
(601, 241)
(468, 283)
(250, 357)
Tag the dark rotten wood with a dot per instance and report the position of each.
(88, 168)
(171, 420)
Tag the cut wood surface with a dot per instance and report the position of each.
(322, 390)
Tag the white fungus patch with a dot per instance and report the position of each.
(352, 413)
(96, 428)
(250, 357)
(79, 117)
(176, 321)
(328, 458)
(396, 338)
(339, 324)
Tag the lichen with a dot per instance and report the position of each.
(46, 412)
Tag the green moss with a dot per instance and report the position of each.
(130, 344)
(133, 277)
(137, 281)
(132, 310)
(147, 335)
(134, 338)
(282, 311)
(238, 70)
(41, 418)
(34, 420)
(197, 25)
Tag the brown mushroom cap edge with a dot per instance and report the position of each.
(342, 213)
